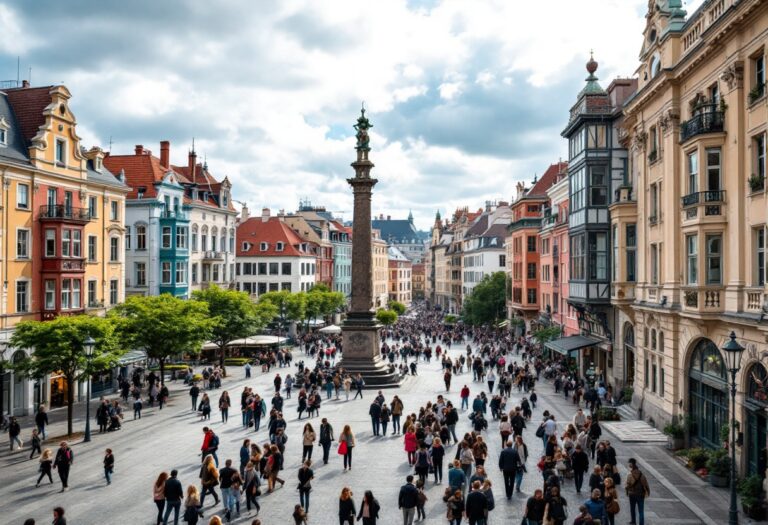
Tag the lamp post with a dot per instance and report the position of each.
(3, 349)
(733, 351)
(88, 346)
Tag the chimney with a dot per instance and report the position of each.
(25, 83)
(165, 154)
(264, 214)
(389, 217)
(139, 149)
(244, 215)
(192, 164)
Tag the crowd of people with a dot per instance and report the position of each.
(501, 369)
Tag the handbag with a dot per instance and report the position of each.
(343, 447)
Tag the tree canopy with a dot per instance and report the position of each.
(547, 334)
(386, 317)
(487, 302)
(292, 306)
(397, 307)
(57, 346)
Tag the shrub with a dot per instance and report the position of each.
(179, 367)
(674, 430)
(719, 464)
(697, 458)
(607, 414)
(626, 394)
(750, 489)
(236, 361)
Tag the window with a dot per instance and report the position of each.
(3, 137)
(545, 273)
(204, 238)
(76, 295)
(92, 299)
(194, 273)
(76, 243)
(165, 273)
(545, 246)
(68, 202)
(759, 277)
(194, 238)
(631, 251)
(166, 237)
(578, 257)
(113, 291)
(531, 270)
(181, 272)
(50, 294)
(66, 243)
(22, 296)
(262, 268)
(531, 296)
(114, 210)
(531, 243)
(279, 247)
(66, 294)
(598, 256)
(502, 261)
(286, 268)
(654, 203)
(22, 244)
(692, 256)
(215, 269)
(713, 169)
(61, 152)
(263, 246)
(22, 196)
(181, 237)
(223, 243)
(50, 243)
(141, 273)
(262, 288)
(661, 378)
(51, 200)
(714, 261)
(758, 170)
(127, 237)
(654, 144)
(596, 137)
(693, 172)
(653, 376)
(758, 66)
(598, 186)
(654, 264)
(285, 286)
(141, 237)
(615, 237)
(273, 268)
(114, 249)
(647, 374)
(92, 240)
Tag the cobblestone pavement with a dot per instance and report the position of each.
(171, 438)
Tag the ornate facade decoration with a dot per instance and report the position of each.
(733, 75)
(668, 119)
(639, 140)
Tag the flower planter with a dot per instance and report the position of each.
(718, 481)
(675, 443)
(755, 512)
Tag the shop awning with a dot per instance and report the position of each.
(133, 356)
(566, 345)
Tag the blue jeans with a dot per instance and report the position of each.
(519, 479)
(376, 424)
(41, 431)
(175, 506)
(395, 424)
(639, 502)
(304, 499)
(227, 499)
(464, 402)
(108, 475)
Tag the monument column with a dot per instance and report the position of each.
(360, 331)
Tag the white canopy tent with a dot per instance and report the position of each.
(330, 329)
(254, 340)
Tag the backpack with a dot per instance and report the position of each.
(214, 442)
(540, 431)
(423, 459)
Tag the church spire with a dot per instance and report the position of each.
(410, 216)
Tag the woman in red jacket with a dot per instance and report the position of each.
(411, 445)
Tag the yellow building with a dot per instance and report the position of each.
(696, 208)
(380, 270)
(62, 213)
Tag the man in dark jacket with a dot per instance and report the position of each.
(509, 462)
(193, 393)
(407, 500)
(326, 436)
(41, 420)
(476, 505)
(64, 460)
(580, 464)
(518, 424)
(173, 496)
(375, 413)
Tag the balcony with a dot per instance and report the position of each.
(623, 194)
(212, 256)
(61, 213)
(754, 299)
(622, 292)
(703, 300)
(708, 119)
(711, 201)
(178, 215)
(62, 265)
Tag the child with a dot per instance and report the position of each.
(35, 443)
(137, 406)
(109, 465)
(421, 500)
(299, 516)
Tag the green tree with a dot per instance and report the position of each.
(234, 314)
(287, 305)
(397, 307)
(57, 346)
(547, 334)
(386, 317)
(163, 326)
(487, 302)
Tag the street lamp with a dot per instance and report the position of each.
(88, 346)
(733, 352)
(3, 349)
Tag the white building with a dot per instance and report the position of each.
(483, 246)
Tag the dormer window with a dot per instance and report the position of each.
(140, 192)
(224, 199)
(263, 246)
(97, 164)
(246, 246)
(279, 246)
(4, 127)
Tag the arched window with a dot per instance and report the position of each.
(194, 237)
(214, 233)
(653, 340)
(204, 238)
(655, 65)
(709, 394)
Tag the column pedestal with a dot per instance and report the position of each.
(362, 355)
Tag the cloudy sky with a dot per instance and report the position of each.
(466, 97)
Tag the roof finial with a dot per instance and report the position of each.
(362, 108)
(591, 65)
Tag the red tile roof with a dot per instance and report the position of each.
(205, 182)
(141, 171)
(547, 180)
(28, 106)
(255, 231)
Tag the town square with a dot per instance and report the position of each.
(418, 261)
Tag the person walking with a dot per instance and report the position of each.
(436, 455)
(491, 379)
(210, 445)
(407, 500)
(306, 475)
(369, 509)
(272, 469)
(555, 511)
(509, 462)
(454, 502)
(326, 436)
(375, 412)
(158, 495)
(611, 499)
(464, 398)
(308, 440)
(46, 463)
(36, 443)
(225, 482)
(534, 508)
(580, 466)
(245, 456)
(384, 418)
(58, 516)
(173, 493)
(209, 478)
(359, 384)
(205, 407)
(14, 431)
(411, 444)
(41, 420)
(192, 505)
(63, 462)
(637, 489)
(476, 506)
(596, 506)
(422, 462)
(109, 465)
(346, 507)
(347, 443)
(137, 406)
(396, 407)
(224, 404)
(251, 483)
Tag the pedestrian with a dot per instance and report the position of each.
(491, 379)
(308, 440)
(611, 498)
(245, 456)
(509, 462)
(224, 404)
(436, 455)
(346, 507)
(384, 418)
(580, 465)
(251, 482)
(137, 406)
(58, 516)
(396, 407)
(410, 444)
(534, 508)
(41, 420)
(109, 465)
(226, 476)
(46, 463)
(173, 493)
(454, 502)
(158, 495)
(555, 511)
(209, 478)
(346, 444)
(63, 462)
(272, 468)
(14, 431)
(476, 506)
(407, 500)
(299, 514)
(194, 392)
(210, 445)
(326, 436)
(247, 368)
(487, 489)
(596, 506)
(421, 500)
(102, 416)
(375, 413)
(422, 462)
(596, 480)
(359, 384)
(369, 509)
(306, 475)
(36, 443)
(192, 505)
(637, 489)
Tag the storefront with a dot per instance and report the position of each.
(578, 349)
(707, 384)
(58, 388)
(755, 404)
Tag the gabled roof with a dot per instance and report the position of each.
(28, 104)
(539, 189)
(141, 170)
(396, 230)
(394, 254)
(16, 147)
(479, 226)
(255, 231)
(103, 177)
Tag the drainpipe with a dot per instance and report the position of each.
(6, 188)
